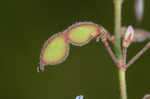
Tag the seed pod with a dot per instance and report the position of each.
(139, 34)
(81, 33)
(55, 51)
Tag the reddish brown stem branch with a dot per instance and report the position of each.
(110, 38)
(146, 47)
(111, 53)
(124, 56)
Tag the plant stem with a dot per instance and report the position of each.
(117, 42)
(138, 55)
(111, 52)
(122, 80)
(110, 38)
(117, 48)
(124, 56)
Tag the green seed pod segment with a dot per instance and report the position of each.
(80, 34)
(55, 50)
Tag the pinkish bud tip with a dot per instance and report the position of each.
(128, 37)
(131, 30)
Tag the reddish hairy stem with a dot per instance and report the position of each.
(124, 56)
(110, 38)
(111, 53)
(146, 47)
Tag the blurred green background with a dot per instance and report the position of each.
(26, 24)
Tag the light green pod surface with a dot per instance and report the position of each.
(80, 34)
(55, 50)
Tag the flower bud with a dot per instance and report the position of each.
(140, 35)
(139, 10)
(146, 96)
(128, 37)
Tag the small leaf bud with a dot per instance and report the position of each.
(128, 37)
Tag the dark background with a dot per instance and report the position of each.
(26, 24)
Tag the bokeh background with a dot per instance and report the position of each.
(26, 24)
